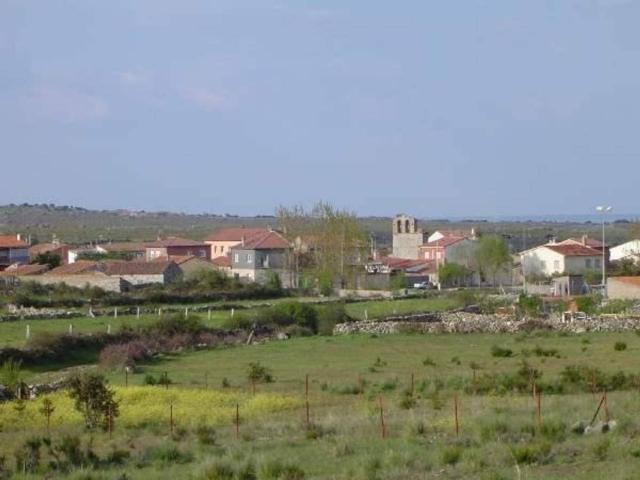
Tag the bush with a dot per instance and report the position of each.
(93, 399)
(290, 313)
(620, 346)
(501, 352)
(329, 316)
(176, 324)
(531, 453)
(451, 455)
(276, 470)
(123, 355)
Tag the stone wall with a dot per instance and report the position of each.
(460, 322)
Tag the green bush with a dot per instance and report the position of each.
(451, 455)
(329, 316)
(290, 313)
(620, 346)
(500, 352)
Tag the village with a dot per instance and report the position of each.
(415, 260)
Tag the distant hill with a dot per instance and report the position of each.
(80, 225)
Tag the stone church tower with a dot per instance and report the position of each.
(407, 237)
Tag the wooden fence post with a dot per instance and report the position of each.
(606, 407)
(126, 376)
(539, 409)
(383, 430)
(306, 386)
(171, 418)
(595, 415)
(237, 421)
(455, 414)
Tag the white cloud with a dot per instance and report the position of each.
(206, 99)
(64, 105)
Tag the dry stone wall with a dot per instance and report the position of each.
(462, 322)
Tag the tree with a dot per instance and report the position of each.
(48, 258)
(273, 281)
(492, 255)
(93, 399)
(453, 274)
(332, 239)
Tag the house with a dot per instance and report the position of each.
(560, 259)
(125, 250)
(623, 288)
(221, 241)
(191, 266)
(13, 250)
(223, 264)
(174, 246)
(254, 258)
(627, 250)
(74, 254)
(17, 271)
(407, 237)
(440, 234)
(53, 248)
(141, 272)
(448, 249)
(586, 241)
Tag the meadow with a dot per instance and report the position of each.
(411, 382)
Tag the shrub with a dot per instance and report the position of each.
(257, 373)
(531, 452)
(329, 316)
(619, 346)
(219, 471)
(123, 355)
(206, 435)
(276, 470)
(176, 324)
(92, 398)
(168, 454)
(291, 313)
(501, 352)
(451, 455)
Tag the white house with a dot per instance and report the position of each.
(554, 259)
(626, 250)
(440, 234)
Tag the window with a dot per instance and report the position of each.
(236, 258)
(215, 249)
(588, 262)
(399, 226)
(221, 249)
(203, 253)
(598, 263)
(248, 258)
(556, 265)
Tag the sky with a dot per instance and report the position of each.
(434, 108)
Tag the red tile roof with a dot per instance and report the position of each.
(589, 242)
(175, 242)
(135, 268)
(39, 248)
(397, 263)
(235, 234)
(22, 270)
(79, 267)
(11, 241)
(222, 262)
(574, 250)
(124, 247)
(267, 241)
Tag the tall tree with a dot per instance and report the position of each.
(492, 255)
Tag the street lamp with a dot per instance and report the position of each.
(604, 210)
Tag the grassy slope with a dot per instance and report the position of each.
(491, 427)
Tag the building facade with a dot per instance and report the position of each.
(13, 250)
(407, 237)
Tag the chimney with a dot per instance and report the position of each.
(242, 241)
(18, 236)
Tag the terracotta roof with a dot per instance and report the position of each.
(443, 242)
(235, 234)
(39, 248)
(267, 241)
(222, 262)
(629, 280)
(11, 241)
(176, 242)
(79, 267)
(589, 242)
(574, 250)
(396, 263)
(124, 247)
(23, 270)
(135, 268)
(453, 233)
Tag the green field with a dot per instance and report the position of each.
(499, 434)
(14, 333)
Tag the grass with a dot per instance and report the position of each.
(499, 435)
(384, 308)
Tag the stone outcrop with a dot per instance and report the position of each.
(463, 322)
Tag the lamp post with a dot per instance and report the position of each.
(604, 210)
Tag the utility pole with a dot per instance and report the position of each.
(604, 210)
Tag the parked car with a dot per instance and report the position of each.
(422, 285)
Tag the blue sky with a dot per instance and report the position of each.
(447, 108)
